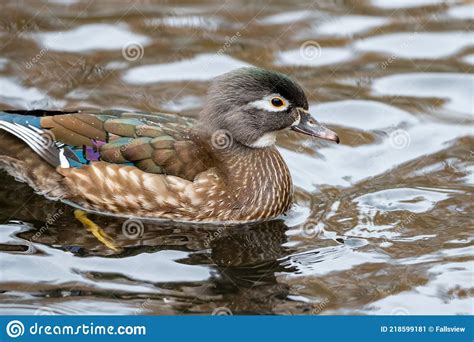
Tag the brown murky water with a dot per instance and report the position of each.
(383, 222)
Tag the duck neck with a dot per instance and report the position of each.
(257, 178)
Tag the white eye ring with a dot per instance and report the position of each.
(266, 103)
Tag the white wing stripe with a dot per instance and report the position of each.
(35, 140)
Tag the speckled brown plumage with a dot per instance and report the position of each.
(235, 192)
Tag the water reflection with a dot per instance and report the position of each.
(180, 262)
(197, 69)
(417, 45)
(90, 37)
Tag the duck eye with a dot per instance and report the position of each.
(278, 102)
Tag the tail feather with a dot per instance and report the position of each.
(40, 141)
(20, 119)
(20, 161)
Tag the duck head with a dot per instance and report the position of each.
(254, 104)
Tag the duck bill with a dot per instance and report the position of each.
(308, 125)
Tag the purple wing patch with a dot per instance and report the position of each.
(92, 153)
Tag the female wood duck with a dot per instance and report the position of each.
(224, 167)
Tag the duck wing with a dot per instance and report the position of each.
(158, 143)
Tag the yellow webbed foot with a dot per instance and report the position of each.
(81, 216)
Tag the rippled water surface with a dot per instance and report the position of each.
(383, 222)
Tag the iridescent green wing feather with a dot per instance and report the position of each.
(155, 143)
